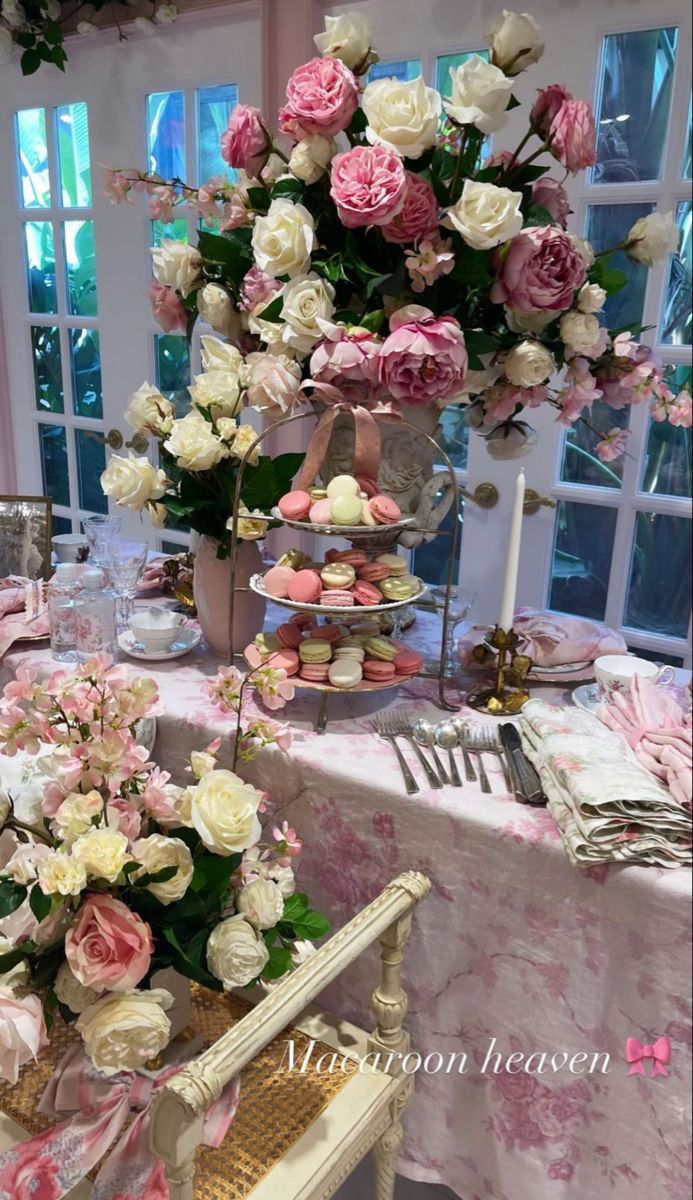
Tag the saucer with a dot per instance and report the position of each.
(185, 640)
(587, 697)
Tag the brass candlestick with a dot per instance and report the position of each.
(507, 693)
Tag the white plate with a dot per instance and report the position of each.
(562, 669)
(348, 531)
(587, 697)
(186, 640)
(353, 610)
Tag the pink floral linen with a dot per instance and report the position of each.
(513, 944)
(659, 730)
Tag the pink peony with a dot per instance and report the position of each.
(322, 97)
(573, 136)
(418, 217)
(246, 143)
(109, 947)
(348, 359)
(23, 1033)
(368, 186)
(541, 269)
(167, 308)
(257, 287)
(552, 196)
(546, 106)
(424, 359)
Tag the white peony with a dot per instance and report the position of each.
(591, 298)
(17, 975)
(403, 115)
(311, 157)
(6, 45)
(274, 382)
(193, 444)
(216, 307)
(223, 810)
(347, 37)
(157, 852)
(653, 238)
(235, 953)
(220, 356)
(148, 411)
(61, 875)
(261, 902)
(177, 265)
(121, 1032)
(516, 42)
(71, 992)
(529, 322)
(133, 481)
(529, 364)
(580, 331)
(103, 853)
(284, 239)
(479, 96)
(486, 215)
(308, 299)
(218, 391)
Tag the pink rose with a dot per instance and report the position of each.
(167, 308)
(546, 106)
(322, 97)
(246, 143)
(23, 1033)
(424, 359)
(109, 947)
(368, 186)
(418, 217)
(573, 136)
(257, 287)
(552, 196)
(541, 269)
(348, 359)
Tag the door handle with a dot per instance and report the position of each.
(533, 502)
(114, 439)
(486, 495)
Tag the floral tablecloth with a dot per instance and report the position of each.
(514, 944)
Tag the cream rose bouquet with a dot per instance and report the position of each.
(368, 246)
(117, 873)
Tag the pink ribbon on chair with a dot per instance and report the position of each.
(366, 432)
(49, 1165)
(659, 1053)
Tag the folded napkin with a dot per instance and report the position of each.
(23, 611)
(552, 640)
(607, 806)
(659, 730)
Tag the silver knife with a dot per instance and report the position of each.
(528, 789)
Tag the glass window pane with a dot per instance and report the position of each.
(166, 134)
(430, 562)
(581, 463)
(688, 150)
(454, 438)
(60, 525)
(39, 252)
(80, 259)
(176, 229)
(607, 225)
(32, 157)
(56, 480)
(91, 462)
(637, 74)
(676, 322)
(48, 371)
(666, 469)
(168, 547)
(214, 107)
(403, 68)
(72, 128)
(583, 547)
(86, 373)
(659, 590)
(656, 656)
(447, 61)
(173, 369)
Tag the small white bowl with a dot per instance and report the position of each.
(156, 628)
(70, 547)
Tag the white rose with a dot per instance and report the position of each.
(157, 852)
(283, 240)
(653, 238)
(13, 13)
(193, 444)
(71, 992)
(274, 169)
(219, 391)
(251, 525)
(235, 953)
(177, 265)
(103, 853)
(261, 902)
(121, 1032)
(479, 96)
(308, 299)
(166, 14)
(529, 364)
(227, 429)
(244, 439)
(148, 411)
(87, 29)
(273, 382)
(403, 115)
(311, 157)
(584, 248)
(17, 975)
(512, 439)
(133, 481)
(524, 322)
(215, 306)
(220, 356)
(61, 874)
(158, 515)
(347, 37)
(580, 331)
(486, 215)
(201, 762)
(591, 298)
(516, 42)
(6, 45)
(223, 810)
(269, 332)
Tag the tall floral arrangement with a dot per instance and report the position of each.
(119, 873)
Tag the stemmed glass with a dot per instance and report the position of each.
(461, 601)
(125, 564)
(99, 532)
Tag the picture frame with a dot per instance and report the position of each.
(25, 536)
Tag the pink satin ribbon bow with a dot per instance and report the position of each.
(49, 1165)
(659, 1053)
(366, 434)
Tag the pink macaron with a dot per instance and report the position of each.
(367, 485)
(373, 571)
(407, 662)
(284, 660)
(289, 636)
(367, 593)
(276, 581)
(315, 672)
(295, 506)
(377, 671)
(385, 510)
(321, 512)
(337, 598)
(305, 587)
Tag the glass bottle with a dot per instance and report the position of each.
(96, 624)
(63, 592)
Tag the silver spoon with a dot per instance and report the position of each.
(425, 735)
(446, 737)
(460, 729)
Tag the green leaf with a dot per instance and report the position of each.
(612, 279)
(25, 40)
(212, 873)
(479, 343)
(11, 896)
(30, 62)
(259, 199)
(264, 485)
(231, 252)
(273, 312)
(358, 123)
(295, 907)
(53, 33)
(373, 320)
(39, 903)
(538, 215)
(187, 966)
(311, 926)
(161, 876)
(279, 963)
(16, 955)
(293, 188)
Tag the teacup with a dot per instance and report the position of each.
(615, 672)
(70, 547)
(156, 628)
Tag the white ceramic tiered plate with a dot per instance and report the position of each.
(354, 610)
(350, 532)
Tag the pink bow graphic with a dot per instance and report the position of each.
(659, 1053)
(49, 1165)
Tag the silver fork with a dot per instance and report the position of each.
(492, 745)
(460, 728)
(403, 729)
(475, 744)
(385, 727)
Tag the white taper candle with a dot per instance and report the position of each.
(512, 566)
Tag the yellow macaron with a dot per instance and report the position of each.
(315, 651)
(398, 589)
(397, 564)
(380, 647)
